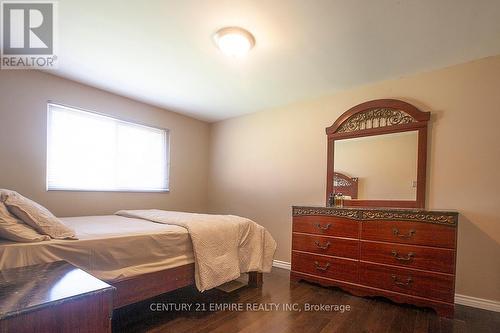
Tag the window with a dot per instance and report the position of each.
(90, 152)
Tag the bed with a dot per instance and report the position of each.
(345, 184)
(140, 258)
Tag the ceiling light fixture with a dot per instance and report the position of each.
(234, 41)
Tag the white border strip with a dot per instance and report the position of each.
(480, 303)
(282, 264)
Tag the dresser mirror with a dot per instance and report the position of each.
(377, 155)
(383, 166)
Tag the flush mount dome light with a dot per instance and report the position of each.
(234, 41)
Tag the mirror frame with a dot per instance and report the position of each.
(398, 117)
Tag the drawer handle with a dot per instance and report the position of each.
(321, 268)
(323, 227)
(409, 256)
(412, 232)
(323, 247)
(409, 280)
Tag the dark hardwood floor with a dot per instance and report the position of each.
(365, 315)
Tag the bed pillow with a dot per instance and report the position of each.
(36, 216)
(15, 230)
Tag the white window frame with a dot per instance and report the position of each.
(78, 109)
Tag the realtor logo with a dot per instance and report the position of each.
(28, 34)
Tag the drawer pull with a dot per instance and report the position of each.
(321, 268)
(409, 280)
(323, 247)
(412, 232)
(409, 256)
(323, 227)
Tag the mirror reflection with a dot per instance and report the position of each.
(381, 167)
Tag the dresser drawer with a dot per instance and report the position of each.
(418, 233)
(411, 256)
(408, 281)
(328, 267)
(326, 225)
(331, 246)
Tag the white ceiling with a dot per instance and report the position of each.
(161, 52)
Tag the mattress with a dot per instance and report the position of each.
(110, 247)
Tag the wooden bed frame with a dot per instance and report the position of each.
(346, 185)
(144, 286)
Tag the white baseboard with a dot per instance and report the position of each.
(282, 264)
(480, 303)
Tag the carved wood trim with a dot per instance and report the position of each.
(325, 211)
(435, 217)
(375, 118)
(377, 114)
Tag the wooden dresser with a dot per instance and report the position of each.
(406, 255)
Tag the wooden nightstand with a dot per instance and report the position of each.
(54, 297)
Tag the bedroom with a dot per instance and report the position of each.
(249, 114)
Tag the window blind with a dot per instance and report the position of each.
(91, 152)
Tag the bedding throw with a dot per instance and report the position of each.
(224, 246)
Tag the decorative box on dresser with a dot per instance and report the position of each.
(406, 255)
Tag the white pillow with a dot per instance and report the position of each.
(15, 230)
(36, 216)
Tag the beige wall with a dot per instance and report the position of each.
(23, 99)
(263, 163)
(385, 165)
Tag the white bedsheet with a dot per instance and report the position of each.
(109, 247)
